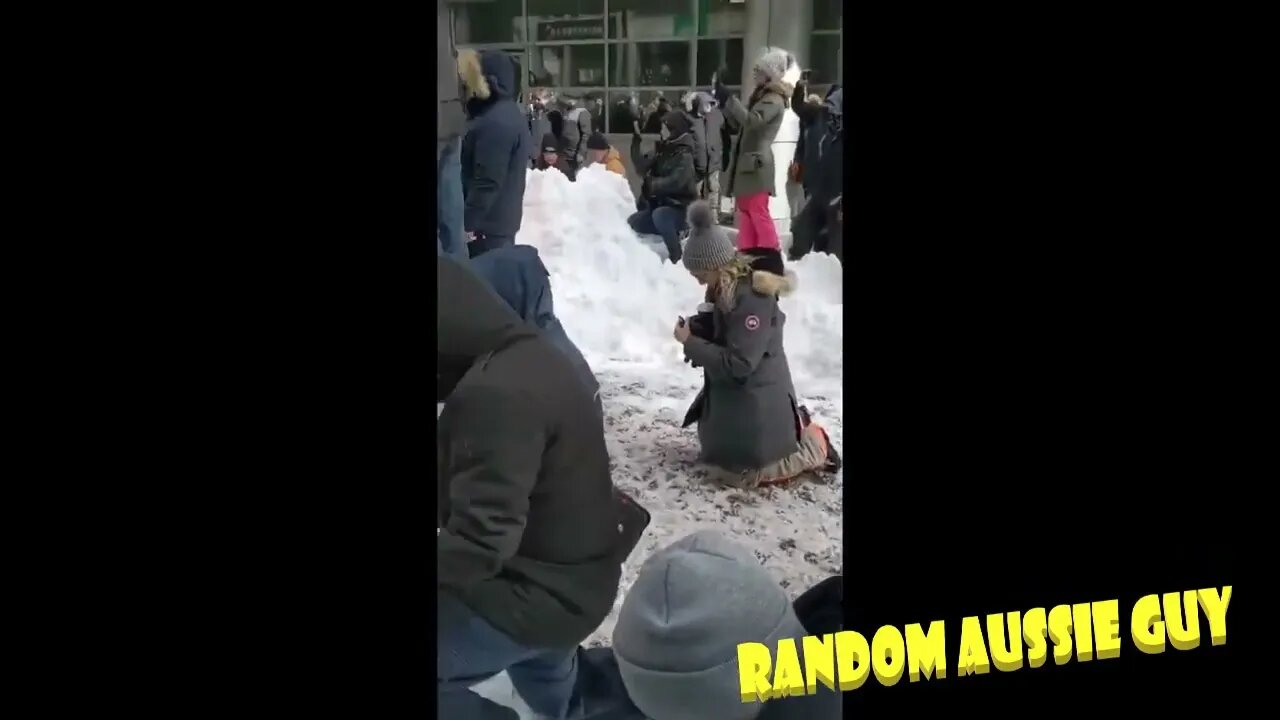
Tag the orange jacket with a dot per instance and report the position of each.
(613, 162)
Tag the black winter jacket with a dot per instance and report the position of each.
(539, 127)
(670, 178)
(814, 121)
(528, 526)
(495, 151)
(824, 174)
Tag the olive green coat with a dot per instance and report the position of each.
(751, 167)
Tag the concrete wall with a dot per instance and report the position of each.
(622, 143)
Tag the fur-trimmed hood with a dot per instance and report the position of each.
(767, 283)
(486, 75)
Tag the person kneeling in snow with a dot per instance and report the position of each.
(675, 645)
(751, 428)
(670, 184)
(528, 552)
(519, 277)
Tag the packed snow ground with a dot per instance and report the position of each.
(618, 299)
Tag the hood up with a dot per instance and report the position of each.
(835, 101)
(517, 274)
(471, 320)
(835, 110)
(486, 75)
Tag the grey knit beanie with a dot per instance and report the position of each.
(707, 248)
(677, 635)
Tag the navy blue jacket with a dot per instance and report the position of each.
(825, 176)
(519, 277)
(495, 153)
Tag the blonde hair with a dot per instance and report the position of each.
(726, 281)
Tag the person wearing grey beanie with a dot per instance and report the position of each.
(751, 428)
(677, 635)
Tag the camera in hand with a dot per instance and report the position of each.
(701, 324)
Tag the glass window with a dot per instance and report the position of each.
(721, 17)
(714, 55)
(568, 65)
(624, 106)
(563, 20)
(499, 21)
(827, 14)
(649, 64)
(594, 101)
(824, 56)
(641, 19)
(641, 107)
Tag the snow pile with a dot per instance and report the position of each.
(618, 299)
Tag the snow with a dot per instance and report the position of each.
(618, 299)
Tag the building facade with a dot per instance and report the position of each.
(606, 52)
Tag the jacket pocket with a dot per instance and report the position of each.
(752, 162)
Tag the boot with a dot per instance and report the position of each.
(834, 463)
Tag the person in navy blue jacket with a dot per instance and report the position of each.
(495, 151)
(520, 278)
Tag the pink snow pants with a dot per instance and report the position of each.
(755, 227)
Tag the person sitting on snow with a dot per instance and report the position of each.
(519, 277)
(752, 430)
(529, 546)
(552, 157)
(670, 184)
(675, 645)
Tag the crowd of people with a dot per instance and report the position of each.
(532, 532)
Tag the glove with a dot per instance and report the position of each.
(720, 91)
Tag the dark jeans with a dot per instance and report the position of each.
(450, 238)
(470, 651)
(666, 221)
(484, 243)
(807, 229)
